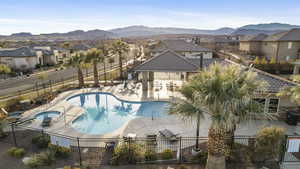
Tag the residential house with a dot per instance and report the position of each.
(283, 46)
(52, 55)
(219, 43)
(24, 58)
(252, 44)
(172, 66)
(183, 48)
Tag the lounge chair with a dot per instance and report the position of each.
(46, 122)
(168, 135)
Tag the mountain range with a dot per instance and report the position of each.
(138, 31)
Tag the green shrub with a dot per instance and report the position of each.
(150, 155)
(268, 142)
(201, 157)
(126, 153)
(16, 152)
(45, 158)
(60, 152)
(167, 154)
(42, 141)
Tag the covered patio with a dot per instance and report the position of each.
(165, 73)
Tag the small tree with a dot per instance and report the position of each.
(264, 61)
(256, 60)
(273, 60)
(4, 69)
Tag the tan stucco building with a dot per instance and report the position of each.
(282, 46)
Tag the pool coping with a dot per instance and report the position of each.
(61, 101)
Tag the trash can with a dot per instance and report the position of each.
(292, 117)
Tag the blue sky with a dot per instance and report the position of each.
(44, 16)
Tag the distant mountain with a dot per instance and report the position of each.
(22, 34)
(69, 36)
(270, 26)
(81, 35)
(253, 31)
(149, 31)
(138, 31)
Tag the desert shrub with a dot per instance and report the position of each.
(126, 153)
(268, 142)
(167, 154)
(60, 152)
(16, 152)
(13, 104)
(45, 158)
(42, 141)
(150, 155)
(201, 157)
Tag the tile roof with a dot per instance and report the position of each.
(254, 38)
(291, 35)
(275, 83)
(170, 61)
(17, 52)
(179, 45)
(167, 61)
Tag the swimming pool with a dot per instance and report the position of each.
(105, 113)
(42, 115)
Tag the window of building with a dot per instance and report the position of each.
(290, 45)
(273, 105)
(270, 105)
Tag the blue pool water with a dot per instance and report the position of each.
(106, 113)
(42, 115)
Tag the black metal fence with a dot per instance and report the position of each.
(150, 149)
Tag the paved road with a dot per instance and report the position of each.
(10, 86)
(14, 85)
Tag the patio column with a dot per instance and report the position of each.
(145, 80)
(151, 79)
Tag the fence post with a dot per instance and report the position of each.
(79, 151)
(283, 149)
(180, 153)
(14, 135)
(129, 149)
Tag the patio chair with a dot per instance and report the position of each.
(46, 122)
(168, 135)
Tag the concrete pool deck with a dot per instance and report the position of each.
(140, 126)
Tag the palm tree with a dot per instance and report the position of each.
(119, 48)
(76, 61)
(224, 93)
(111, 61)
(292, 92)
(106, 50)
(95, 56)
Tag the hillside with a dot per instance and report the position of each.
(270, 26)
(150, 31)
